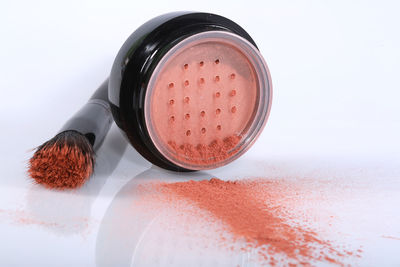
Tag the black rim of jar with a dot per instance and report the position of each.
(136, 62)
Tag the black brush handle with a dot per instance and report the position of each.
(94, 119)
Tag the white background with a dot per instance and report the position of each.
(335, 69)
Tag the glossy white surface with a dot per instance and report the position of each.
(335, 116)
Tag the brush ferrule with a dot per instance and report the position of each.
(94, 119)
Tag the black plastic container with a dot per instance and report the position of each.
(136, 62)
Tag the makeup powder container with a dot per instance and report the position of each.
(191, 91)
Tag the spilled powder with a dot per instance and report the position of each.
(391, 237)
(22, 217)
(255, 219)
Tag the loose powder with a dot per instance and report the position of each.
(254, 217)
(216, 151)
(203, 100)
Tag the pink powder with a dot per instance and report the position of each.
(256, 213)
(217, 150)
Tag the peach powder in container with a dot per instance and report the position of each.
(190, 90)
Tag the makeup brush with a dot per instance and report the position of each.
(67, 160)
(190, 91)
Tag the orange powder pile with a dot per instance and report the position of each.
(252, 217)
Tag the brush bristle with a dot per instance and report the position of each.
(65, 161)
